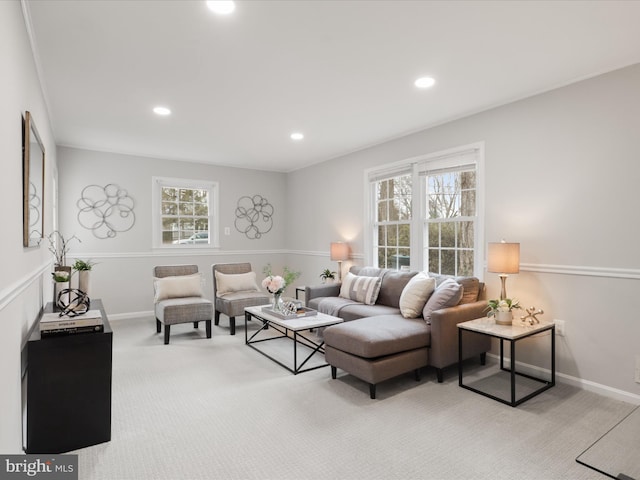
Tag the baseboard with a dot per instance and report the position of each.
(588, 385)
(126, 316)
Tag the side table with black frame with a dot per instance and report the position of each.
(512, 334)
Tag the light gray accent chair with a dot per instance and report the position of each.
(172, 311)
(233, 304)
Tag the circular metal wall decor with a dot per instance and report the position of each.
(106, 211)
(254, 216)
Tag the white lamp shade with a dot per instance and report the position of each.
(503, 257)
(339, 251)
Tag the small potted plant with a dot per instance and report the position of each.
(328, 276)
(60, 283)
(502, 310)
(83, 267)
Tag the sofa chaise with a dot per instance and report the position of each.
(377, 342)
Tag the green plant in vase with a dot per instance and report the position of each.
(328, 276)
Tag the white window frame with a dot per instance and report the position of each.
(431, 161)
(156, 210)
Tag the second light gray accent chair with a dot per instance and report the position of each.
(233, 304)
(172, 311)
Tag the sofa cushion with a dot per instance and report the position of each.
(415, 294)
(177, 286)
(393, 283)
(238, 282)
(447, 294)
(360, 310)
(471, 286)
(360, 288)
(374, 337)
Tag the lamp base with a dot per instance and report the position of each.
(503, 291)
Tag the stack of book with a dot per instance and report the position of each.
(55, 324)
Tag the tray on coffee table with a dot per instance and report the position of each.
(300, 313)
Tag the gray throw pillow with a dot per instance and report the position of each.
(447, 294)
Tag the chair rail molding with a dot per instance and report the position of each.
(10, 293)
(588, 271)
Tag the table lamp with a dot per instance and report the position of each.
(503, 258)
(339, 252)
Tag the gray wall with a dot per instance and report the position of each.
(122, 277)
(26, 277)
(561, 173)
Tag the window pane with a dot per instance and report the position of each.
(202, 224)
(382, 236)
(394, 214)
(169, 223)
(382, 261)
(465, 235)
(186, 195)
(382, 211)
(169, 194)
(392, 235)
(448, 265)
(465, 263)
(186, 208)
(169, 237)
(434, 260)
(200, 209)
(169, 208)
(448, 234)
(404, 235)
(434, 234)
(200, 196)
(187, 224)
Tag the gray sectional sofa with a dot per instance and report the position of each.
(376, 342)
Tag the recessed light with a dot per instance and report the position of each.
(297, 136)
(425, 82)
(221, 7)
(161, 111)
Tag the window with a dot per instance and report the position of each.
(393, 221)
(185, 213)
(424, 213)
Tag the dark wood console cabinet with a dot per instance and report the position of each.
(68, 389)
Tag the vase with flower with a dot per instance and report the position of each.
(276, 284)
(502, 310)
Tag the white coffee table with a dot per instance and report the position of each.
(296, 326)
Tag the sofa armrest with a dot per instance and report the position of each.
(331, 290)
(444, 334)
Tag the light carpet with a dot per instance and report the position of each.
(216, 409)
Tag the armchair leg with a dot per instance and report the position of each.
(158, 326)
(334, 372)
(208, 327)
(232, 325)
(416, 374)
(439, 374)
(372, 391)
(195, 324)
(483, 358)
(167, 329)
(217, 318)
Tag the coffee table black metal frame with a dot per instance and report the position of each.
(279, 325)
(510, 334)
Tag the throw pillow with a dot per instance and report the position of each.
(471, 286)
(178, 286)
(360, 289)
(235, 282)
(448, 294)
(415, 294)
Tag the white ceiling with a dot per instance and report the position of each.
(341, 72)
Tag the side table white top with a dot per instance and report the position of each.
(511, 332)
